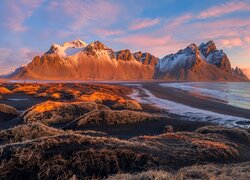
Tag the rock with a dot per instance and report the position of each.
(168, 129)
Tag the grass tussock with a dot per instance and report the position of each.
(61, 157)
(233, 134)
(110, 117)
(37, 130)
(127, 104)
(100, 97)
(30, 89)
(8, 110)
(204, 172)
(57, 112)
(79, 154)
(4, 90)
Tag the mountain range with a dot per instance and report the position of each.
(78, 60)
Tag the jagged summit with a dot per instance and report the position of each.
(67, 48)
(77, 60)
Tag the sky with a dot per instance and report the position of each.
(161, 27)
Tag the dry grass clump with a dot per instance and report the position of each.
(204, 172)
(56, 96)
(100, 97)
(234, 134)
(30, 89)
(27, 132)
(50, 113)
(62, 156)
(127, 104)
(42, 95)
(4, 90)
(36, 130)
(213, 171)
(110, 117)
(8, 110)
(84, 156)
(145, 175)
(182, 149)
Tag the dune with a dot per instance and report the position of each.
(51, 113)
(83, 156)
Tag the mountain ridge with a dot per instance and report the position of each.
(77, 60)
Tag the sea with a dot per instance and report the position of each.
(233, 93)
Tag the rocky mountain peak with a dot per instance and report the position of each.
(124, 55)
(207, 48)
(146, 58)
(67, 48)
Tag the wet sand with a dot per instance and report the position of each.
(196, 101)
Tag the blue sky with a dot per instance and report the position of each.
(29, 27)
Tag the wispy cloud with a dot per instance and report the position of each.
(13, 59)
(18, 12)
(224, 9)
(144, 23)
(86, 13)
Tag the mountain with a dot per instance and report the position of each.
(196, 63)
(239, 73)
(78, 60)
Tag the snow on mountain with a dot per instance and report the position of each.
(214, 56)
(76, 60)
(183, 58)
(68, 48)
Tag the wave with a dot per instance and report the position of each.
(187, 112)
(236, 94)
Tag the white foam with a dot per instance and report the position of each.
(187, 112)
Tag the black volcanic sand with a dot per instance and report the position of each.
(21, 101)
(40, 151)
(192, 100)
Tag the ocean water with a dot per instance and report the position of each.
(232, 93)
(186, 112)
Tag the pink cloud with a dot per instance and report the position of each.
(18, 12)
(224, 9)
(9, 59)
(144, 23)
(176, 22)
(85, 13)
(105, 33)
(229, 43)
(159, 46)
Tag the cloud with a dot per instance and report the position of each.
(105, 33)
(18, 12)
(86, 13)
(144, 23)
(157, 45)
(224, 9)
(229, 43)
(10, 60)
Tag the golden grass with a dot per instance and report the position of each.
(127, 104)
(4, 90)
(30, 89)
(58, 112)
(100, 97)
